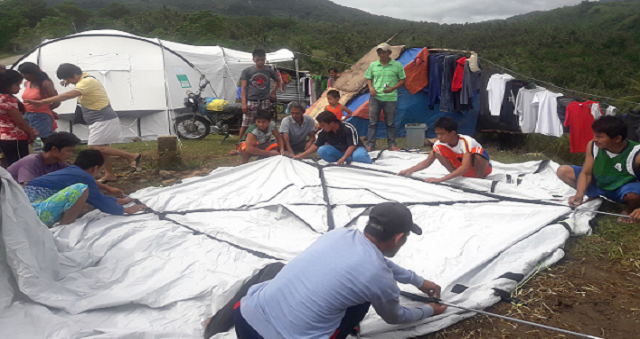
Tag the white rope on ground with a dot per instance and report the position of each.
(556, 86)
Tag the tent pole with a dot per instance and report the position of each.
(297, 78)
(167, 93)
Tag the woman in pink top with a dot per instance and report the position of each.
(38, 87)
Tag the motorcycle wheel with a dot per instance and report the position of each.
(192, 127)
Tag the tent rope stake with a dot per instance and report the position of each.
(416, 297)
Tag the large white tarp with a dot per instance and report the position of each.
(161, 274)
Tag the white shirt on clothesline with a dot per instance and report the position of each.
(548, 121)
(495, 91)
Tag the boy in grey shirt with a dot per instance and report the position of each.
(256, 91)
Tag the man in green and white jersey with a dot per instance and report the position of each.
(610, 169)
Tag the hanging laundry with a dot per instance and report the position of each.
(595, 110)
(416, 72)
(317, 80)
(435, 78)
(312, 90)
(526, 111)
(470, 83)
(279, 75)
(474, 63)
(456, 84)
(286, 78)
(446, 95)
(484, 94)
(580, 118)
(548, 121)
(325, 84)
(495, 90)
(508, 114)
(563, 103)
(611, 110)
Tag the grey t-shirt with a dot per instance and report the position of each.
(262, 136)
(258, 82)
(298, 133)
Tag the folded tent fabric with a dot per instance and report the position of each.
(416, 72)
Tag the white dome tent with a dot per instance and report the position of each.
(146, 79)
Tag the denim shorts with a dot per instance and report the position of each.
(42, 122)
(618, 195)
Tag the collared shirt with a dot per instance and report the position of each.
(298, 133)
(381, 75)
(345, 137)
(309, 297)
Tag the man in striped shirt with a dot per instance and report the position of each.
(337, 141)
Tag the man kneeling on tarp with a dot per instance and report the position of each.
(327, 290)
(610, 168)
(61, 195)
(460, 154)
(337, 141)
(257, 141)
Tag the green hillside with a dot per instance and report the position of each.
(592, 47)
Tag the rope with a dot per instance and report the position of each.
(556, 86)
(313, 56)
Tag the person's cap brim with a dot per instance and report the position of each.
(416, 229)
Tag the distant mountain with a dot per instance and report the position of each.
(307, 10)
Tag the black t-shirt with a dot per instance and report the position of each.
(345, 137)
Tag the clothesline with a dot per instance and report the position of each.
(556, 86)
(313, 56)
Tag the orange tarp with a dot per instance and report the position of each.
(416, 72)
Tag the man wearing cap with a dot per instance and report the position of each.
(326, 290)
(384, 77)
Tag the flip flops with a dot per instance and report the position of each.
(136, 168)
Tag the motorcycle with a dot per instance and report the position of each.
(202, 122)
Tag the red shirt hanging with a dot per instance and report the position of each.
(456, 84)
(580, 119)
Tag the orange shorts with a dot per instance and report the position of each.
(456, 159)
(267, 146)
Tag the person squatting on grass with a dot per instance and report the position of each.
(61, 195)
(337, 141)
(257, 141)
(610, 169)
(57, 151)
(296, 128)
(461, 155)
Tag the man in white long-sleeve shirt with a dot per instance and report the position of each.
(326, 291)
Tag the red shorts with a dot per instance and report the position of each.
(456, 159)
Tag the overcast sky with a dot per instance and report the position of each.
(454, 11)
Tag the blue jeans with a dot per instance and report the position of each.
(446, 95)
(618, 195)
(390, 108)
(331, 154)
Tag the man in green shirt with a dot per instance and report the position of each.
(610, 169)
(384, 77)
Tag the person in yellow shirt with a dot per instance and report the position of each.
(103, 122)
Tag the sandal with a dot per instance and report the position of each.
(136, 167)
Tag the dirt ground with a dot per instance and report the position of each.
(594, 290)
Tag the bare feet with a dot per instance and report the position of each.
(394, 148)
(626, 220)
(369, 149)
(234, 152)
(135, 164)
(105, 180)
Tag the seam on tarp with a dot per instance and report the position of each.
(517, 277)
(542, 166)
(196, 232)
(325, 192)
(494, 184)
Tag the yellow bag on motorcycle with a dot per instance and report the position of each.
(217, 105)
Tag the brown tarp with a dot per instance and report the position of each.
(352, 81)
